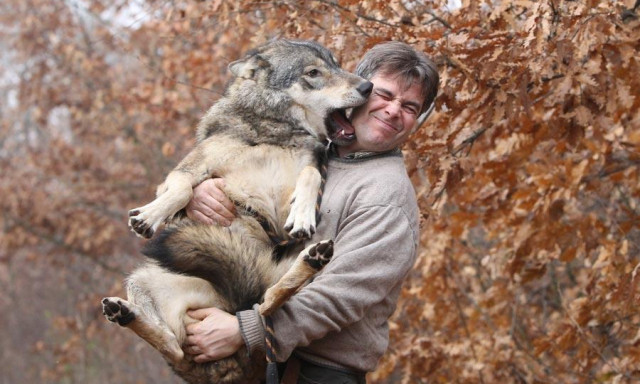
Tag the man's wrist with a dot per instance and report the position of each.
(252, 330)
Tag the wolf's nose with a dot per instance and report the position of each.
(365, 88)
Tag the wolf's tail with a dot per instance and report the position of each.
(236, 266)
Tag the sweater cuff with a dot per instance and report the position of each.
(252, 330)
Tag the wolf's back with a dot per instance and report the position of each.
(238, 267)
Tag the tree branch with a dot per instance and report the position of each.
(586, 338)
(436, 18)
(28, 227)
(335, 4)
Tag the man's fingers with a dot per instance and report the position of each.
(200, 314)
(199, 356)
(216, 211)
(222, 198)
(200, 217)
(192, 349)
(202, 358)
(219, 182)
(191, 330)
(195, 211)
(201, 211)
(210, 202)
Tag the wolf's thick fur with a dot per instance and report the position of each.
(265, 138)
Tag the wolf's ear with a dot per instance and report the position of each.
(246, 68)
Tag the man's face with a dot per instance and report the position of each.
(385, 121)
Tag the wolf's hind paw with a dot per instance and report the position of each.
(116, 311)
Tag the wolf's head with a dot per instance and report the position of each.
(299, 81)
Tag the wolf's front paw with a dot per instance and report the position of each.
(304, 231)
(319, 254)
(301, 222)
(116, 311)
(139, 224)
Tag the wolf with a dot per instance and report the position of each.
(266, 137)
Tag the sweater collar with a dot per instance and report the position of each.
(361, 155)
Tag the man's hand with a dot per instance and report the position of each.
(216, 336)
(210, 205)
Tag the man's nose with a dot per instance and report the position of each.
(365, 88)
(392, 108)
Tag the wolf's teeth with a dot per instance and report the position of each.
(342, 132)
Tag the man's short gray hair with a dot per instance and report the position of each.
(399, 59)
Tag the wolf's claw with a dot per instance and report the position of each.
(140, 227)
(302, 233)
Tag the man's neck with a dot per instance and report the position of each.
(343, 152)
(353, 152)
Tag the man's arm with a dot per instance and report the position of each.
(374, 250)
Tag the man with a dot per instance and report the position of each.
(336, 327)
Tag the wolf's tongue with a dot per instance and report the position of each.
(346, 127)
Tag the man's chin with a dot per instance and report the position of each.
(343, 140)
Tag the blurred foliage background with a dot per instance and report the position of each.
(526, 175)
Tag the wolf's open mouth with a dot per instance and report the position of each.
(340, 129)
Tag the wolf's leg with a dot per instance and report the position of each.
(301, 221)
(309, 261)
(131, 316)
(208, 158)
(144, 221)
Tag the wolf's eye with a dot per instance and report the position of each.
(313, 73)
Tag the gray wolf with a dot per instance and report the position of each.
(265, 138)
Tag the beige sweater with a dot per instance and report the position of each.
(340, 319)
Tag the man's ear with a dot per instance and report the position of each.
(423, 117)
(246, 68)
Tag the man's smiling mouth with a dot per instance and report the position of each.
(387, 124)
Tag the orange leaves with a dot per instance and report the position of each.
(168, 149)
(504, 147)
(625, 97)
(527, 172)
(540, 186)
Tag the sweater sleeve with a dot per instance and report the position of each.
(252, 329)
(375, 248)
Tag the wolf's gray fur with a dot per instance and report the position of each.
(264, 136)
